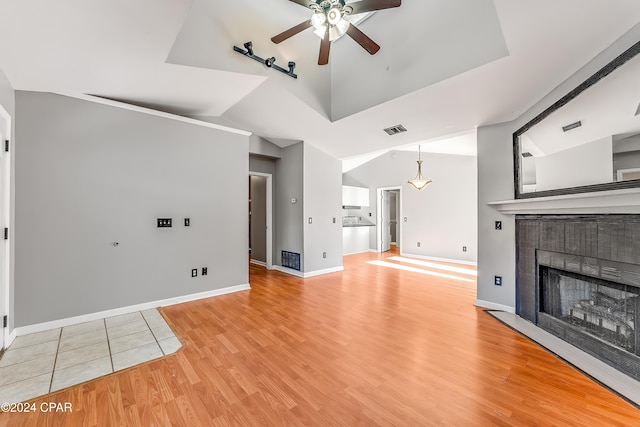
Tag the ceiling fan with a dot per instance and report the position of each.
(330, 23)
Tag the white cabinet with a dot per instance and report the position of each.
(355, 240)
(355, 196)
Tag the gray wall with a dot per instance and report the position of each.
(442, 217)
(495, 182)
(322, 203)
(496, 248)
(289, 236)
(258, 228)
(88, 175)
(262, 147)
(625, 160)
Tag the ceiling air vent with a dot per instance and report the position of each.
(394, 130)
(572, 126)
(527, 154)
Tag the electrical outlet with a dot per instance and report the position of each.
(204, 271)
(164, 222)
(498, 225)
(310, 220)
(464, 249)
(497, 280)
(369, 213)
(334, 220)
(194, 272)
(418, 244)
(324, 254)
(187, 222)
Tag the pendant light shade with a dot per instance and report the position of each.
(419, 182)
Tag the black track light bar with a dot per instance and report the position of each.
(269, 62)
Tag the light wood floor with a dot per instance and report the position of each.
(369, 346)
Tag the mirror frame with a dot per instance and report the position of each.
(599, 75)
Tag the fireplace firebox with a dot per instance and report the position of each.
(606, 310)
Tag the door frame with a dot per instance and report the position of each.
(5, 221)
(269, 230)
(379, 191)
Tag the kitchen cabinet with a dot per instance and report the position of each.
(355, 240)
(355, 196)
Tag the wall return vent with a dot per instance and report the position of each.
(394, 130)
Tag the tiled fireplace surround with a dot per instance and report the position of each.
(603, 247)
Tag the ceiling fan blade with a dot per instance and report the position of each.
(304, 3)
(291, 32)
(371, 5)
(325, 46)
(362, 39)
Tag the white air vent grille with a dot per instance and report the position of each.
(527, 154)
(394, 130)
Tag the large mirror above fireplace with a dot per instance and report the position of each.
(587, 141)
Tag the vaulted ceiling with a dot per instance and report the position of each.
(444, 68)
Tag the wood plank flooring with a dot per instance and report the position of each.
(369, 346)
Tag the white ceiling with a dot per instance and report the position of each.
(452, 64)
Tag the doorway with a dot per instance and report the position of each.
(388, 225)
(5, 216)
(261, 219)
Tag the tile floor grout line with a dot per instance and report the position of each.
(56, 359)
(106, 331)
(154, 335)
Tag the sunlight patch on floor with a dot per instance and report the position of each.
(417, 270)
(462, 270)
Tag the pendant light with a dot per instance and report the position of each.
(419, 182)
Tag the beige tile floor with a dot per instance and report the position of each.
(48, 361)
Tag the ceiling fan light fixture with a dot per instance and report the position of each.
(343, 26)
(318, 19)
(334, 16)
(338, 30)
(320, 31)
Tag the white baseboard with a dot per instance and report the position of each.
(290, 271)
(355, 253)
(258, 262)
(325, 271)
(12, 336)
(375, 251)
(309, 274)
(45, 326)
(494, 306)
(433, 258)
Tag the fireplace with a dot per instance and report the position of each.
(605, 313)
(578, 277)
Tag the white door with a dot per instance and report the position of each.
(4, 214)
(386, 221)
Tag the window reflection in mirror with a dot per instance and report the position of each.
(591, 140)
